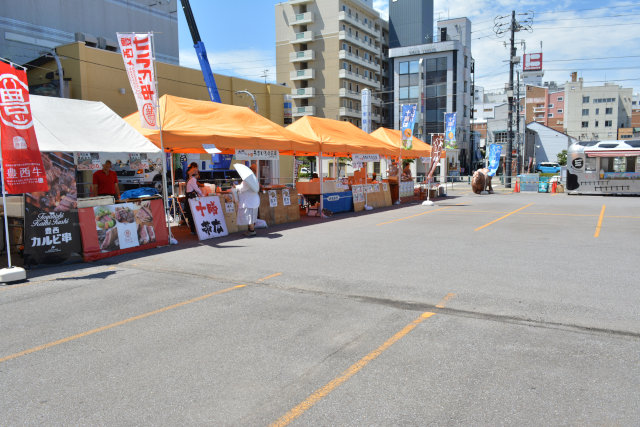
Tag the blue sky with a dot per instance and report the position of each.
(600, 40)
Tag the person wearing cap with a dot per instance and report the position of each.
(248, 203)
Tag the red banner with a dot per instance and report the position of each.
(22, 167)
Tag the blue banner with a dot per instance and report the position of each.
(494, 158)
(408, 118)
(450, 130)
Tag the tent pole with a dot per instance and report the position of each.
(6, 225)
(173, 187)
(293, 174)
(321, 186)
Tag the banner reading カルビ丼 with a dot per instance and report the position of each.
(23, 171)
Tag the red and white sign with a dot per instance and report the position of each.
(22, 166)
(138, 61)
(437, 141)
(532, 62)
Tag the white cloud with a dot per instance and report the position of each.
(246, 63)
(564, 35)
(382, 6)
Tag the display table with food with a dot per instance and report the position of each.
(109, 230)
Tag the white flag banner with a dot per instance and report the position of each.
(138, 59)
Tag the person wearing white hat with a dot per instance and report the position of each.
(248, 199)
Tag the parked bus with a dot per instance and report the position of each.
(603, 167)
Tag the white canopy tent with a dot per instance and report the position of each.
(71, 125)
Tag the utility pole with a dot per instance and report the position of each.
(513, 27)
(518, 158)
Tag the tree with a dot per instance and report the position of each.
(562, 158)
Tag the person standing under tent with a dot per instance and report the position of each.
(248, 203)
(393, 177)
(192, 192)
(105, 182)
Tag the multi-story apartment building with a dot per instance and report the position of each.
(596, 112)
(545, 107)
(28, 28)
(327, 52)
(446, 84)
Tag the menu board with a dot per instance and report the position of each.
(208, 217)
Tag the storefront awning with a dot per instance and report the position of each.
(393, 138)
(339, 138)
(189, 124)
(71, 125)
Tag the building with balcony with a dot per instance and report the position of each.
(327, 52)
(438, 76)
(544, 106)
(596, 112)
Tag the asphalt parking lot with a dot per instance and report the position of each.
(510, 309)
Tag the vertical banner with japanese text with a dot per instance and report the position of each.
(366, 110)
(52, 230)
(22, 167)
(408, 119)
(138, 62)
(437, 141)
(494, 158)
(450, 120)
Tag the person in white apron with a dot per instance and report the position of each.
(248, 203)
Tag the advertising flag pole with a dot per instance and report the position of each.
(165, 197)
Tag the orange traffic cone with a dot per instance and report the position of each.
(554, 186)
(517, 187)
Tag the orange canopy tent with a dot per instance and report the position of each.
(393, 138)
(338, 138)
(187, 124)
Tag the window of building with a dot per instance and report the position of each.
(608, 123)
(597, 111)
(608, 110)
(550, 105)
(560, 99)
(550, 115)
(500, 137)
(585, 111)
(466, 61)
(585, 124)
(560, 110)
(596, 124)
(585, 99)
(404, 68)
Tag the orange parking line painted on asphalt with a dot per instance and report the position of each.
(125, 321)
(597, 233)
(268, 277)
(413, 216)
(446, 299)
(503, 217)
(316, 396)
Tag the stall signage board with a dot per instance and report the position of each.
(229, 207)
(257, 154)
(364, 158)
(208, 217)
(273, 198)
(88, 161)
(22, 167)
(138, 62)
(124, 226)
(425, 160)
(138, 161)
(286, 197)
(52, 230)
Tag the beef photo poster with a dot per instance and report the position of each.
(123, 226)
(52, 232)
